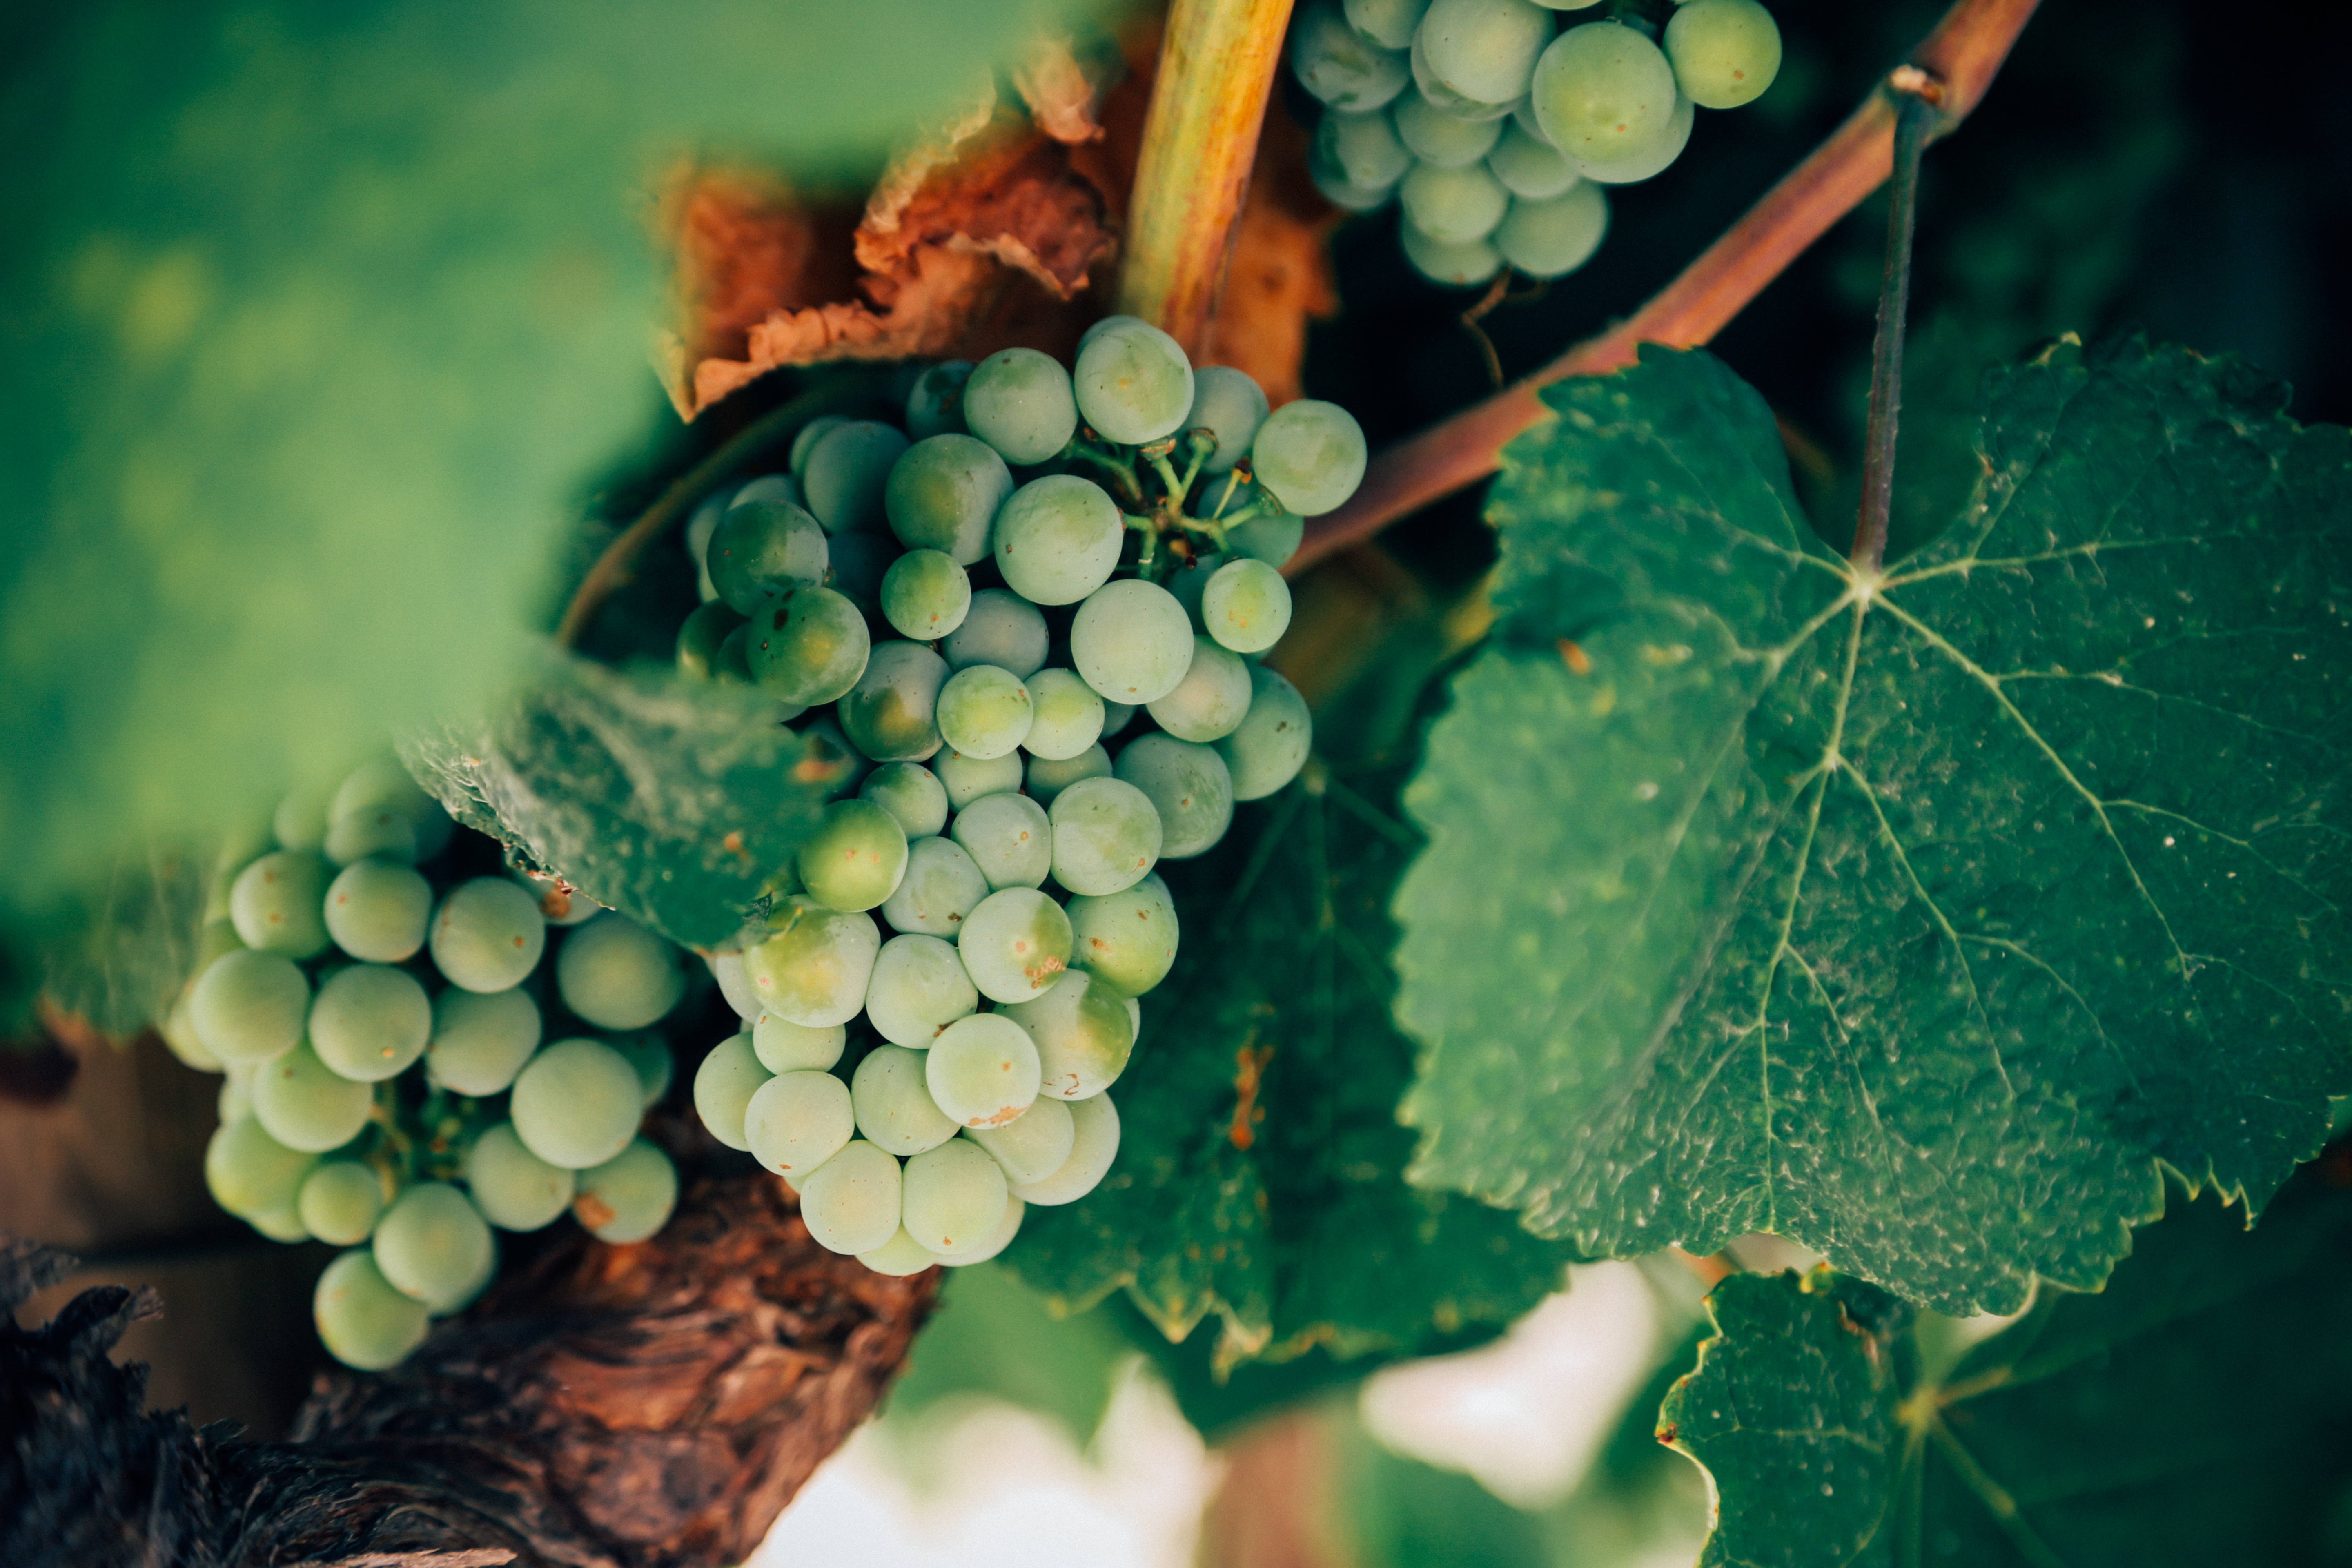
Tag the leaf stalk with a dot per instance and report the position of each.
(1915, 117)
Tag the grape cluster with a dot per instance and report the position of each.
(1495, 134)
(1042, 562)
(387, 1091)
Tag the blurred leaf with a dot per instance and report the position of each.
(313, 318)
(1919, 926)
(1259, 1171)
(2190, 1413)
(993, 1337)
(672, 801)
(116, 958)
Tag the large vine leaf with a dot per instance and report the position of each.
(673, 802)
(2190, 1413)
(1260, 1169)
(1919, 916)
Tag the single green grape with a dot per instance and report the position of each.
(1094, 1146)
(982, 1071)
(1002, 629)
(1068, 715)
(1019, 401)
(985, 711)
(1105, 836)
(850, 1203)
(894, 1107)
(434, 1246)
(784, 1046)
(925, 594)
(514, 1188)
(479, 1042)
(1270, 745)
(340, 1201)
(364, 1322)
(370, 1022)
(1211, 700)
(249, 1006)
(943, 493)
(1057, 538)
(487, 935)
(814, 968)
(910, 793)
(892, 713)
(967, 779)
(1189, 785)
(1439, 139)
(1127, 939)
(616, 974)
(1601, 90)
(942, 886)
(797, 1121)
(724, 1084)
(935, 403)
(1047, 778)
(1227, 403)
(1131, 641)
(808, 646)
(1134, 384)
(848, 470)
(577, 1103)
(247, 1172)
(1009, 838)
(1485, 50)
(629, 1196)
(1246, 605)
(1309, 455)
(919, 988)
(953, 1195)
(761, 550)
(1014, 944)
(306, 1105)
(1033, 1144)
(1083, 1034)
(1453, 207)
(854, 858)
(1725, 52)
(1549, 239)
(278, 903)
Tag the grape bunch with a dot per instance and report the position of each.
(1495, 134)
(387, 1089)
(1043, 566)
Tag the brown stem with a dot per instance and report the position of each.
(611, 571)
(1217, 62)
(1913, 119)
(1962, 56)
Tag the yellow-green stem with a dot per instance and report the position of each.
(1217, 60)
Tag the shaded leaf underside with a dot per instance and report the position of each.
(1916, 918)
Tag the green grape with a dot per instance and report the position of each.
(339, 1202)
(1134, 385)
(300, 820)
(953, 1196)
(900, 1256)
(235, 1101)
(249, 1006)
(514, 1188)
(1057, 538)
(759, 551)
(1019, 401)
(1008, 837)
(919, 988)
(813, 970)
(724, 1084)
(1033, 1144)
(809, 646)
(1340, 65)
(1440, 139)
(1127, 939)
(733, 665)
(1456, 266)
(377, 911)
(855, 857)
(364, 1322)
(1453, 207)
(1485, 50)
(696, 538)
(629, 1196)
(995, 1242)
(277, 903)
(649, 1054)
(487, 935)
(985, 712)
(892, 713)
(1270, 746)
(1725, 52)
(944, 491)
(912, 794)
(370, 1022)
(983, 1071)
(1108, 324)
(577, 1103)
(1337, 189)
(850, 1203)
(1048, 777)
(279, 1224)
(847, 473)
(306, 1105)
(925, 594)
(1014, 944)
(1227, 403)
(1270, 537)
(797, 1121)
(1209, 703)
(1084, 1034)
(735, 986)
(1115, 716)
(434, 1246)
(1246, 606)
(1189, 786)
(479, 1042)
(942, 886)
(1602, 90)
(382, 783)
(828, 743)
(1530, 168)
(247, 1172)
(381, 834)
(1432, 87)
(804, 443)
(1068, 715)
(784, 1046)
(1003, 629)
(859, 563)
(1640, 163)
(1388, 23)
(893, 1107)
(616, 974)
(1131, 641)
(966, 779)
(1095, 1144)
(935, 403)
(1364, 151)
(1105, 834)
(1546, 239)
(764, 488)
(178, 1030)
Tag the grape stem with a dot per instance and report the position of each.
(1217, 62)
(1914, 118)
(1958, 62)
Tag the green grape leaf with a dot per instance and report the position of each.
(1919, 918)
(116, 957)
(319, 320)
(1260, 1168)
(671, 801)
(2190, 1413)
